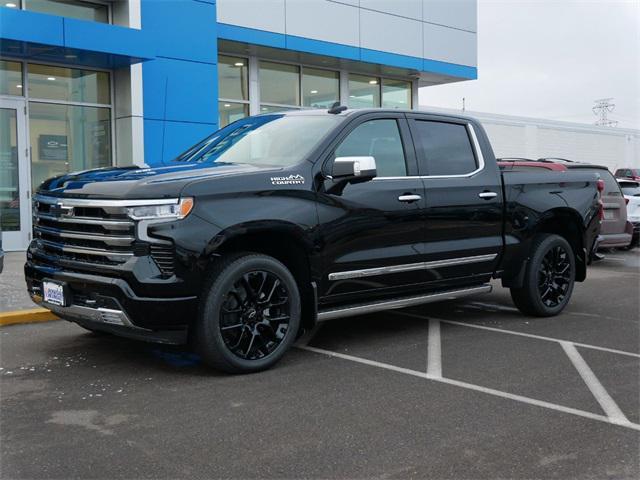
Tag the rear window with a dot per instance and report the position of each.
(444, 148)
(611, 187)
(630, 188)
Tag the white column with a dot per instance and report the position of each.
(254, 86)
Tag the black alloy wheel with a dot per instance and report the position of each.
(254, 318)
(554, 276)
(549, 277)
(249, 313)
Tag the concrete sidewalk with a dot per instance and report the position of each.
(13, 290)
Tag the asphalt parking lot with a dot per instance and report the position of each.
(466, 389)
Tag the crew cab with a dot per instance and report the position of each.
(279, 221)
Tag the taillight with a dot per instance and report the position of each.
(600, 210)
(600, 187)
(626, 201)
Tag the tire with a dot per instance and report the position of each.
(249, 314)
(549, 277)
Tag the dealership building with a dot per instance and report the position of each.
(86, 84)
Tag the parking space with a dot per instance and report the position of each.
(465, 389)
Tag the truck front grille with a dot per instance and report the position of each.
(74, 232)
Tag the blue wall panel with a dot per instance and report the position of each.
(180, 86)
(165, 140)
(182, 29)
(31, 27)
(180, 90)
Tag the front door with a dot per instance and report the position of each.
(15, 211)
(373, 231)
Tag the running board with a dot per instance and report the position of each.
(400, 303)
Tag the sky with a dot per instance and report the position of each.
(551, 59)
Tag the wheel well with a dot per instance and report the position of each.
(568, 226)
(287, 249)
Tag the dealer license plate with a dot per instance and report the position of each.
(53, 293)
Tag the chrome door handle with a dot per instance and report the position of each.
(409, 198)
(488, 195)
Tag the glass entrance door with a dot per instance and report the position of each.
(15, 204)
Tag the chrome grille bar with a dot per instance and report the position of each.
(108, 239)
(85, 250)
(109, 224)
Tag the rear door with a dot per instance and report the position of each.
(463, 199)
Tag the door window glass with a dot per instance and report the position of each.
(9, 186)
(10, 78)
(67, 138)
(444, 148)
(379, 139)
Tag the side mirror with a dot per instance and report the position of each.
(359, 167)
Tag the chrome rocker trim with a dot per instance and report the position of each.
(408, 267)
(400, 303)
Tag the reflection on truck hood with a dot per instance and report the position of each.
(140, 182)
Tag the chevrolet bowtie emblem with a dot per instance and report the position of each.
(60, 210)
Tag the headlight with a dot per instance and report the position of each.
(175, 211)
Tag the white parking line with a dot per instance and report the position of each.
(470, 386)
(434, 353)
(602, 396)
(521, 334)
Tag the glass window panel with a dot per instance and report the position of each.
(68, 84)
(381, 140)
(274, 108)
(229, 112)
(10, 78)
(9, 186)
(396, 94)
(364, 92)
(320, 88)
(70, 8)
(233, 78)
(444, 148)
(279, 83)
(67, 138)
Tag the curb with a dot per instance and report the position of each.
(31, 315)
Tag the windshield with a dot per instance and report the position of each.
(271, 140)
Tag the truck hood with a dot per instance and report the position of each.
(140, 182)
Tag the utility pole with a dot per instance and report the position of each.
(601, 109)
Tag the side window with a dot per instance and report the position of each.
(444, 148)
(379, 139)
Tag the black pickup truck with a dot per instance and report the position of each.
(278, 221)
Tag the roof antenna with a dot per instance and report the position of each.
(337, 108)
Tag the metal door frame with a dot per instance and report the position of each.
(19, 240)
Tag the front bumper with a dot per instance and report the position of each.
(110, 304)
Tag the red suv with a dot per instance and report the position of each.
(631, 173)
